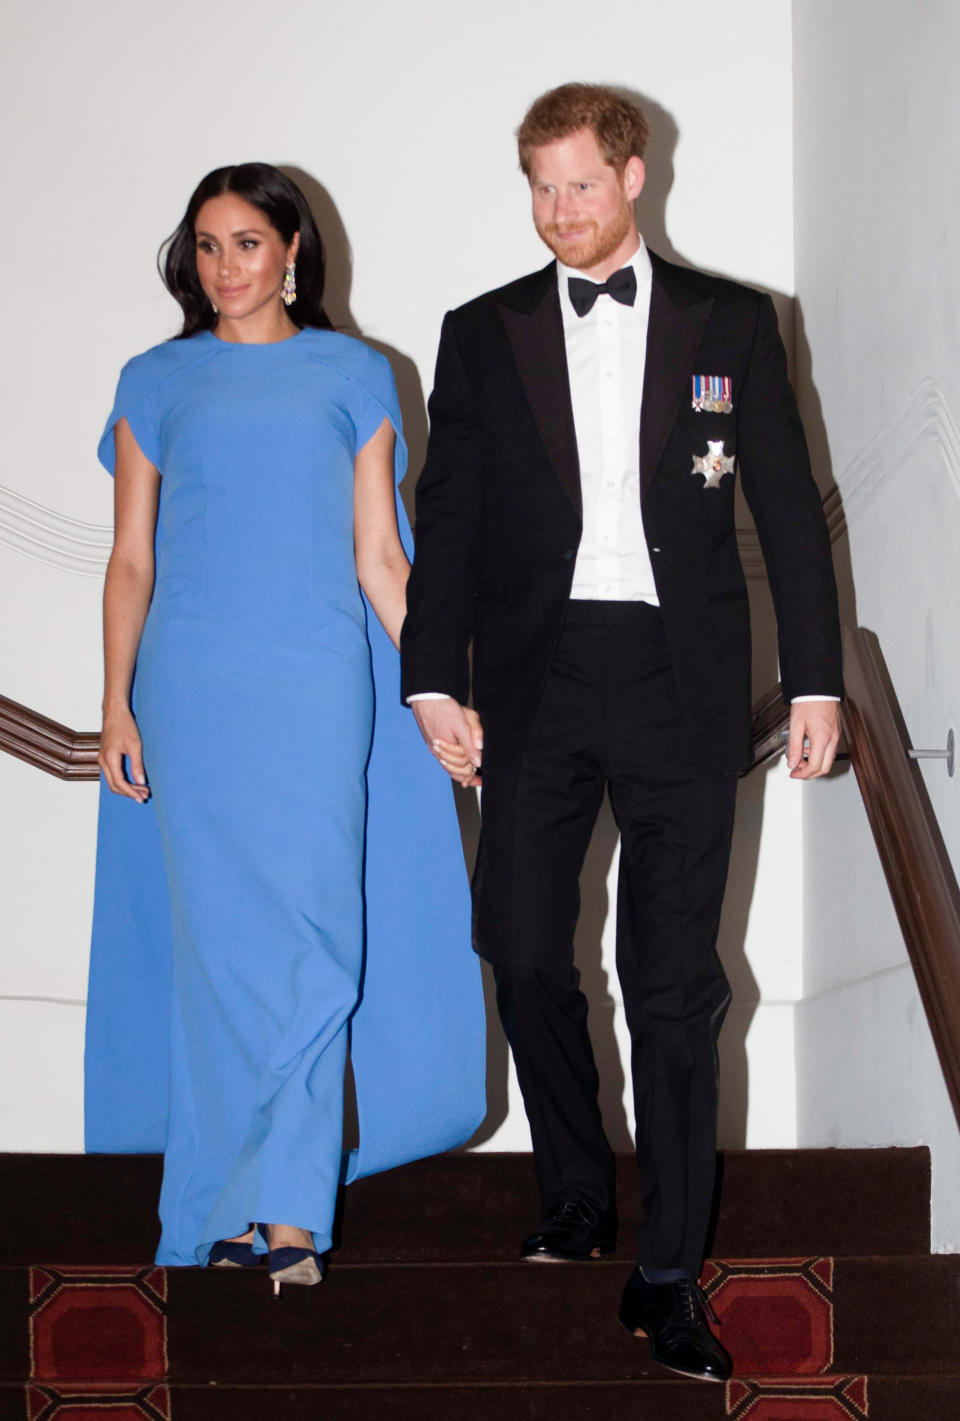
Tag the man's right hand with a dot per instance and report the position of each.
(455, 736)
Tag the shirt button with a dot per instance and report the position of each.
(567, 554)
(609, 483)
(609, 374)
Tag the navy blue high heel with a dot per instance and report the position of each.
(226, 1254)
(295, 1265)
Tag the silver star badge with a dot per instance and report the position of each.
(714, 464)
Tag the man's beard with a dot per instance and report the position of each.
(594, 246)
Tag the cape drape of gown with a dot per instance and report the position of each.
(250, 1036)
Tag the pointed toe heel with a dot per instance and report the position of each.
(227, 1254)
(300, 1266)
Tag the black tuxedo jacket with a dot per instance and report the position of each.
(499, 508)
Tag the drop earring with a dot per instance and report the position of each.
(215, 308)
(289, 289)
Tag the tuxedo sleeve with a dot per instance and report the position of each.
(435, 639)
(786, 506)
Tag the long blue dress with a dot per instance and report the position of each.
(297, 876)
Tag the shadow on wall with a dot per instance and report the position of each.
(812, 415)
(339, 280)
(595, 905)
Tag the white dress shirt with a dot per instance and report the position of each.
(606, 358)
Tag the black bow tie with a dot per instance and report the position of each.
(622, 286)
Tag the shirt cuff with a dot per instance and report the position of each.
(797, 699)
(428, 696)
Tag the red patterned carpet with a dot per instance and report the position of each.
(98, 1342)
(95, 1336)
(799, 1399)
(776, 1314)
(426, 1312)
(97, 1325)
(148, 1401)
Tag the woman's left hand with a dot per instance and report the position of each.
(457, 764)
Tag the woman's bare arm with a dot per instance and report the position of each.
(126, 600)
(382, 565)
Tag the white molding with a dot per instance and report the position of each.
(47, 1001)
(52, 538)
(923, 418)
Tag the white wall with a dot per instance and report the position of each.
(404, 113)
(877, 214)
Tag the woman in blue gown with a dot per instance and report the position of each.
(279, 868)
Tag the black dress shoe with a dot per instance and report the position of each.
(673, 1317)
(574, 1230)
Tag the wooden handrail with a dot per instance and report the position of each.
(917, 867)
(919, 874)
(50, 746)
(771, 722)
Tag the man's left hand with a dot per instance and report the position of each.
(819, 723)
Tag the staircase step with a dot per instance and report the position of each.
(101, 1209)
(882, 1398)
(478, 1207)
(465, 1325)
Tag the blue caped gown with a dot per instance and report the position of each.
(297, 876)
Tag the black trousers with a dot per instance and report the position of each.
(610, 720)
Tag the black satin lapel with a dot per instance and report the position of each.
(673, 335)
(536, 337)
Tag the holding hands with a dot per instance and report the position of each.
(455, 736)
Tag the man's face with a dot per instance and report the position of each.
(581, 206)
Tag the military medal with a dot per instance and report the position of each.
(713, 393)
(714, 464)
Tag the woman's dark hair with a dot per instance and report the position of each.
(285, 208)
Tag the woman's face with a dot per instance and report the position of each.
(241, 258)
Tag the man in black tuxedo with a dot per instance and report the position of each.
(575, 521)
